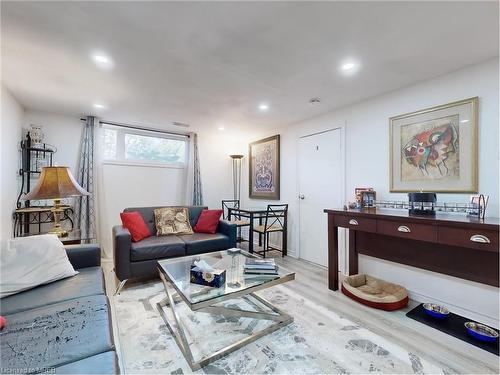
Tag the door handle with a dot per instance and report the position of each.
(301, 196)
(404, 229)
(480, 238)
(353, 222)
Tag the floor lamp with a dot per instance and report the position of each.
(236, 159)
(236, 176)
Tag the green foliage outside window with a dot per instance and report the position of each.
(140, 147)
(120, 145)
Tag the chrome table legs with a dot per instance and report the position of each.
(177, 329)
(120, 286)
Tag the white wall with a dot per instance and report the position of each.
(124, 186)
(135, 186)
(367, 163)
(62, 131)
(366, 126)
(12, 121)
(216, 165)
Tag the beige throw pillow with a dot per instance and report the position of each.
(172, 220)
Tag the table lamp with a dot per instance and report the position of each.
(56, 183)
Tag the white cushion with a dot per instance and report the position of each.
(31, 261)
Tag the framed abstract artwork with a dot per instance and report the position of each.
(435, 149)
(264, 164)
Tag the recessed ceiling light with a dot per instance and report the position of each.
(263, 106)
(102, 60)
(464, 121)
(99, 106)
(220, 127)
(349, 67)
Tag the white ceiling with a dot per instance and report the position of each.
(210, 63)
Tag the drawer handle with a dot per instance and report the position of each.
(480, 238)
(353, 222)
(404, 229)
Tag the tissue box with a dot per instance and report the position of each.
(215, 279)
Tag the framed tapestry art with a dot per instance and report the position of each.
(435, 149)
(264, 173)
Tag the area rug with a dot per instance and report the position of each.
(318, 341)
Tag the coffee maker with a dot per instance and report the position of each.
(422, 203)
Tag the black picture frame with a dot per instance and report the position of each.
(271, 176)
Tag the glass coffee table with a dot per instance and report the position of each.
(175, 275)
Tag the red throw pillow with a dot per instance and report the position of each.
(208, 221)
(134, 222)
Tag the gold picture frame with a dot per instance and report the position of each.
(264, 168)
(435, 149)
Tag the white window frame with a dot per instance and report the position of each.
(120, 148)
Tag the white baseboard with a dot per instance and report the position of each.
(478, 316)
(459, 310)
(419, 297)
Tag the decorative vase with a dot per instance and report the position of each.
(36, 136)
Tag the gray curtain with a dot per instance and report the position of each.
(85, 206)
(197, 189)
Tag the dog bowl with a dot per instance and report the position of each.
(436, 311)
(481, 332)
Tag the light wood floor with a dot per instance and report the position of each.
(311, 282)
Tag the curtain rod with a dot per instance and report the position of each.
(122, 125)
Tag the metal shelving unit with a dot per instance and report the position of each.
(27, 213)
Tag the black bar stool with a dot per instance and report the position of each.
(275, 221)
(228, 204)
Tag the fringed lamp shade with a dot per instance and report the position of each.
(55, 183)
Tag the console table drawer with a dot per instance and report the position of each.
(422, 232)
(474, 238)
(356, 223)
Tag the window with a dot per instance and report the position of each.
(143, 147)
(109, 144)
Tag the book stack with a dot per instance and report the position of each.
(260, 267)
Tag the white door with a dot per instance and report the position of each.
(320, 186)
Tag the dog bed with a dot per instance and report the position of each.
(375, 293)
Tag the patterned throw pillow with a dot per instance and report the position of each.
(172, 220)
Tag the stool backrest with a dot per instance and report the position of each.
(227, 204)
(276, 215)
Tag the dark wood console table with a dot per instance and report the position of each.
(451, 244)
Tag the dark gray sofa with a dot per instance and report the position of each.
(139, 259)
(61, 327)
